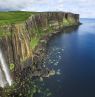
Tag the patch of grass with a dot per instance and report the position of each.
(34, 42)
(4, 34)
(13, 17)
(12, 66)
(71, 21)
(66, 22)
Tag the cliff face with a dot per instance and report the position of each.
(18, 41)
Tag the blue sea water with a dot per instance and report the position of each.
(72, 54)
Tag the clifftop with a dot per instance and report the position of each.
(13, 17)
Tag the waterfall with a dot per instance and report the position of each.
(2, 83)
(4, 72)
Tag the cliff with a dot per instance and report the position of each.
(18, 41)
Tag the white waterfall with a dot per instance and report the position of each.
(4, 72)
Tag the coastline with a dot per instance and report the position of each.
(33, 64)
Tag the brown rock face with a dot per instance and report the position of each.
(16, 46)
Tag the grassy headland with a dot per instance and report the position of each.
(13, 17)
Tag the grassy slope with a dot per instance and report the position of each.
(13, 17)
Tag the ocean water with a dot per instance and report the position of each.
(72, 55)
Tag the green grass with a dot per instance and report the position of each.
(34, 42)
(71, 21)
(12, 66)
(13, 17)
(4, 34)
(66, 22)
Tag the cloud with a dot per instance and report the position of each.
(45, 5)
(14, 4)
(36, 5)
(83, 7)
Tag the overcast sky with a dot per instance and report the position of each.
(86, 8)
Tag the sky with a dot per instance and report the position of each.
(86, 8)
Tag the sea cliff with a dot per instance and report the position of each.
(20, 41)
(23, 46)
